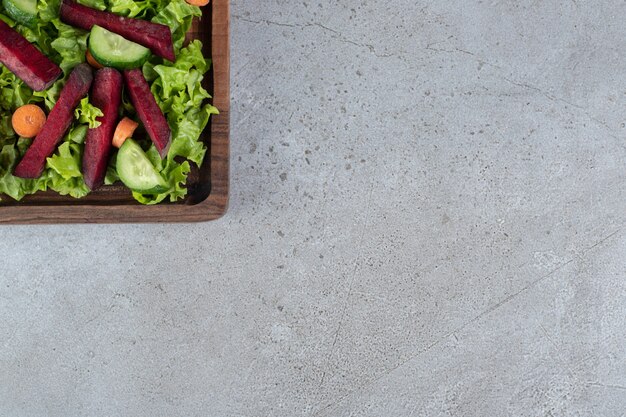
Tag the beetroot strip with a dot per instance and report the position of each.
(154, 36)
(59, 120)
(26, 61)
(106, 94)
(148, 110)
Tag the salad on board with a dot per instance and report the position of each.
(98, 91)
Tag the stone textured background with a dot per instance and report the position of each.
(427, 219)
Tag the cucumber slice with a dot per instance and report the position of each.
(137, 172)
(22, 11)
(112, 50)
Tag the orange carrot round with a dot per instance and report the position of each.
(28, 120)
(92, 61)
(198, 3)
(124, 130)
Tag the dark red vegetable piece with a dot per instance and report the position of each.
(59, 120)
(154, 36)
(106, 94)
(26, 61)
(148, 110)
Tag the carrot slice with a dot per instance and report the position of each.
(198, 3)
(92, 61)
(28, 120)
(123, 131)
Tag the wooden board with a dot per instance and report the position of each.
(208, 185)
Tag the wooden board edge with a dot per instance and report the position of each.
(217, 202)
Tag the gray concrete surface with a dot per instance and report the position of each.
(427, 219)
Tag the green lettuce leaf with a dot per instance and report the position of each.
(66, 161)
(142, 9)
(87, 113)
(95, 4)
(186, 132)
(13, 92)
(70, 44)
(12, 186)
(78, 134)
(178, 15)
(48, 9)
(65, 166)
(51, 95)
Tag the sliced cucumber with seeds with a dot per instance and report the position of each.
(22, 11)
(137, 172)
(112, 50)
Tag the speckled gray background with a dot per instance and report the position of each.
(427, 219)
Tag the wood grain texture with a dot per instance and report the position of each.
(208, 185)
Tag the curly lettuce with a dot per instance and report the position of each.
(88, 113)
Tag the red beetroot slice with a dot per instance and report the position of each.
(59, 120)
(106, 95)
(148, 110)
(154, 36)
(26, 61)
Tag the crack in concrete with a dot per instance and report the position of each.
(612, 386)
(554, 98)
(338, 35)
(525, 85)
(491, 309)
(444, 337)
(350, 287)
(478, 59)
